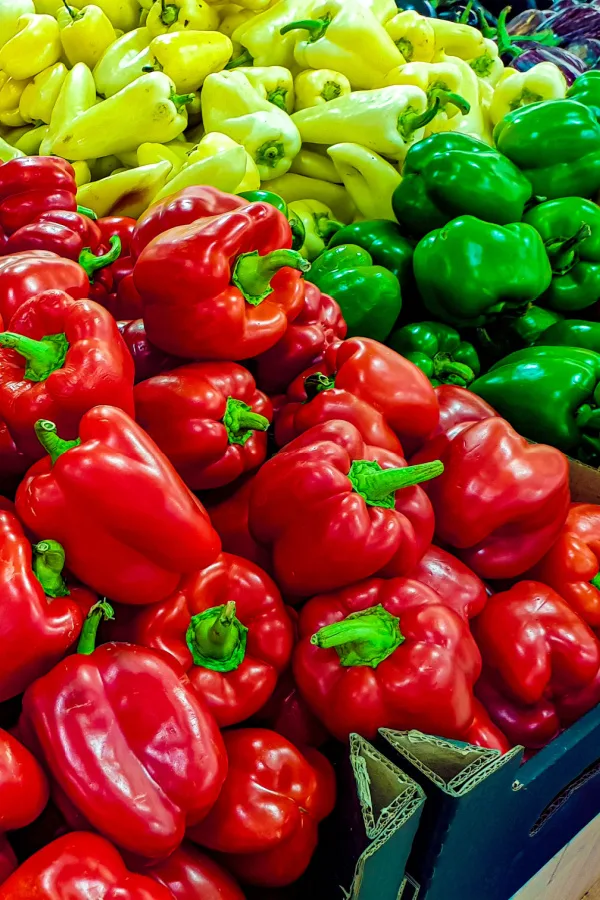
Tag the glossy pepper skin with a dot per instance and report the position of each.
(43, 613)
(228, 628)
(318, 326)
(532, 725)
(32, 185)
(129, 525)
(288, 713)
(208, 419)
(117, 747)
(501, 501)
(69, 865)
(60, 358)
(386, 245)
(369, 296)
(364, 369)
(13, 463)
(556, 145)
(470, 272)
(206, 288)
(148, 360)
(60, 231)
(437, 350)
(586, 89)
(456, 406)
(458, 587)
(484, 733)
(536, 644)
(8, 860)
(265, 821)
(190, 874)
(550, 394)
(571, 333)
(570, 229)
(452, 174)
(327, 508)
(23, 785)
(27, 273)
(386, 654)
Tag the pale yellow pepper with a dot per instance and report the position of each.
(383, 10)
(214, 144)
(10, 13)
(441, 79)
(47, 7)
(35, 46)
(123, 62)
(82, 171)
(315, 165)
(124, 14)
(188, 57)
(273, 83)
(456, 39)
(233, 20)
(181, 15)
(261, 39)
(544, 81)
(369, 179)
(10, 98)
(298, 187)
(413, 35)
(476, 123)
(313, 87)
(103, 167)
(224, 171)
(8, 152)
(487, 65)
(127, 193)
(148, 154)
(40, 95)
(319, 226)
(85, 34)
(30, 141)
(77, 94)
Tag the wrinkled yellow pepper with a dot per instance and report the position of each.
(443, 79)
(10, 98)
(85, 34)
(224, 171)
(544, 81)
(123, 62)
(40, 95)
(127, 193)
(77, 94)
(188, 57)
(148, 154)
(369, 179)
(273, 83)
(315, 165)
(123, 14)
(10, 13)
(215, 143)
(413, 35)
(261, 38)
(487, 65)
(181, 15)
(35, 46)
(297, 187)
(317, 86)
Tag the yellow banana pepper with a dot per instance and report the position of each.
(233, 107)
(188, 57)
(345, 36)
(8, 152)
(443, 78)
(253, 6)
(29, 142)
(85, 34)
(487, 65)
(103, 167)
(315, 165)
(224, 171)
(148, 154)
(297, 187)
(214, 144)
(542, 82)
(369, 179)
(10, 98)
(319, 226)
(82, 173)
(456, 39)
(10, 13)
(123, 62)
(127, 193)
(273, 83)
(413, 35)
(77, 94)
(35, 46)
(40, 95)
(123, 14)
(476, 122)
(181, 15)
(383, 10)
(317, 86)
(47, 7)
(261, 39)
(387, 120)
(231, 22)
(147, 110)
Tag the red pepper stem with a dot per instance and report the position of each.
(55, 446)
(217, 639)
(91, 263)
(595, 581)
(241, 421)
(89, 632)
(444, 366)
(364, 638)
(43, 357)
(377, 486)
(48, 564)
(252, 273)
(562, 251)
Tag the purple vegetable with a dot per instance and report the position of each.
(576, 22)
(529, 21)
(588, 50)
(570, 65)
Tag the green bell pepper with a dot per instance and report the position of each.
(570, 229)
(498, 339)
(471, 272)
(296, 225)
(572, 333)
(369, 296)
(386, 244)
(532, 324)
(550, 394)
(586, 89)
(556, 144)
(438, 351)
(451, 174)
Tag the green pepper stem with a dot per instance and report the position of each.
(327, 227)
(91, 263)
(315, 27)
(562, 251)
(455, 99)
(410, 121)
(244, 59)
(444, 366)
(43, 357)
(331, 91)
(588, 417)
(180, 100)
(503, 38)
(169, 13)
(45, 431)
(378, 486)
(365, 638)
(252, 273)
(87, 212)
(317, 383)
(241, 421)
(71, 11)
(48, 564)
(89, 632)
(217, 639)
(483, 24)
(595, 581)
(464, 16)
(277, 97)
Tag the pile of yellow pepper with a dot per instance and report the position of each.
(318, 101)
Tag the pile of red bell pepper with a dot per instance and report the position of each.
(228, 516)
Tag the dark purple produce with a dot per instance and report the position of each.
(570, 65)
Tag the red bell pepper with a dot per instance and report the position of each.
(319, 325)
(483, 732)
(31, 185)
(265, 820)
(501, 501)
(75, 865)
(572, 564)
(23, 785)
(458, 405)
(357, 377)
(121, 226)
(61, 231)
(60, 358)
(229, 517)
(13, 463)
(148, 360)
(206, 287)
(532, 726)
(8, 860)
(192, 875)
(456, 584)
(24, 275)
(129, 526)
(122, 300)
(143, 758)
(386, 654)
(195, 202)
(42, 613)
(327, 507)
(229, 629)
(208, 419)
(288, 713)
